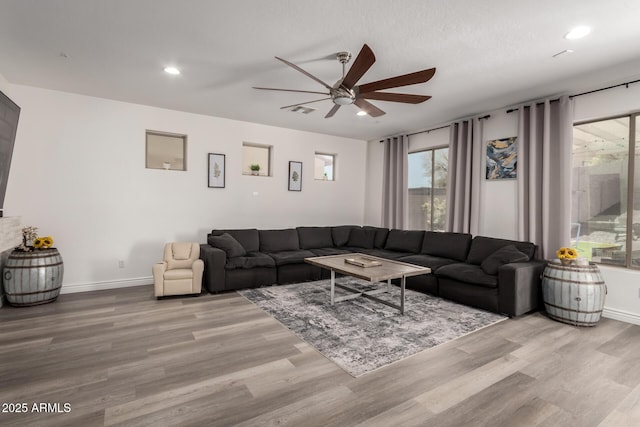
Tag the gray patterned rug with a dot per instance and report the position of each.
(361, 335)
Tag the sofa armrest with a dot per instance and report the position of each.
(214, 276)
(519, 287)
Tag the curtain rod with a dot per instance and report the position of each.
(438, 128)
(511, 110)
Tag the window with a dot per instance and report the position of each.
(605, 188)
(428, 189)
(256, 159)
(166, 151)
(324, 167)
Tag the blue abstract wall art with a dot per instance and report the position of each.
(502, 156)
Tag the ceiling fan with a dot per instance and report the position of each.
(345, 91)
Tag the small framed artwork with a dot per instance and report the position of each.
(502, 156)
(295, 176)
(216, 170)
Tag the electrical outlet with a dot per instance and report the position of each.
(121, 263)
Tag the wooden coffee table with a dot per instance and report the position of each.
(370, 268)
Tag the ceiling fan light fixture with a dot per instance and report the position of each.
(343, 100)
(577, 32)
(361, 113)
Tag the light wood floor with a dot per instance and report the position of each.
(119, 357)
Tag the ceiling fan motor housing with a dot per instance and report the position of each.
(342, 96)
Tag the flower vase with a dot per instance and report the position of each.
(566, 261)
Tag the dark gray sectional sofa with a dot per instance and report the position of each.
(498, 275)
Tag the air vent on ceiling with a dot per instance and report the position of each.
(301, 109)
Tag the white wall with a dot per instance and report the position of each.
(498, 209)
(78, 174)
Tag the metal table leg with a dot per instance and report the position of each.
(333, 286)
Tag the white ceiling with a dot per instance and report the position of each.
(488, 54)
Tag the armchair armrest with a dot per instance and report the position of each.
(214, 276)
(519, 287)
(158, 270)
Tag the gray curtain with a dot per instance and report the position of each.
(395, 184)
(464, 175)
(545, 137)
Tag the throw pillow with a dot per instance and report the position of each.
(227, 243)
(361, 238)
(504, 255)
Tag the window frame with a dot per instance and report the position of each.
(633, 117)
(433, 171)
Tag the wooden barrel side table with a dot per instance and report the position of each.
(573, 294)
(33, 278)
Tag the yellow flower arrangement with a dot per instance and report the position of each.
(567, 253)
(43, 242)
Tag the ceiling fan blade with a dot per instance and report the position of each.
(291, 90)
(398, 81)
(396, 97)
(361, 65)
(295, 67)
(369, 108)
(303, 103)
(332, 111)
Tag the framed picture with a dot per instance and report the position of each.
(216, 170)
(295, 176)
(502, 156)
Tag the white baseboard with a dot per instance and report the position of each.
(111, 284)
(621, 315)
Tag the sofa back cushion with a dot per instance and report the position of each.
(482, 247)
(279, 240)
(227, 243)
(381, 236)
(404, 240)
(247, 237)
(361, 238)
(341, 233)
(315, 237)
(504, 255)
(446, 245)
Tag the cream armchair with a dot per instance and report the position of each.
(181, 271)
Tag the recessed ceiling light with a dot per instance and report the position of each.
(361, 113)
(172, 70)
(577, 32)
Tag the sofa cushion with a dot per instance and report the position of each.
(361, 238)
(381, 236)
(424, 260)
(279, 240)
(404, 240)
(329, 251)
(290, 257)
(248, 238)
(227, 243)
(341, 233)
(446, 245)
(504, 255)
(482, 247)
(315, 237)
(250, 260)
(468, 273)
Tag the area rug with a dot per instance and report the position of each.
(361, 335)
